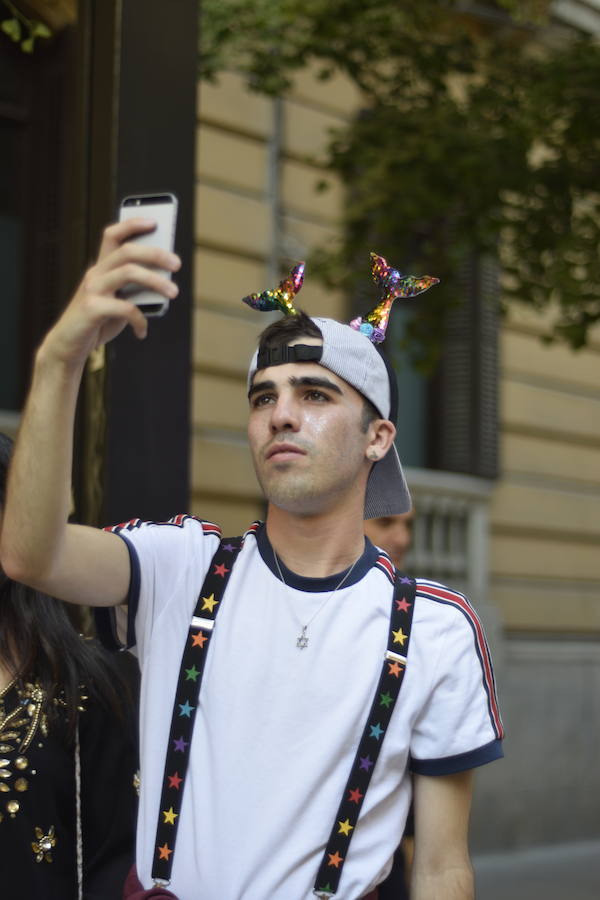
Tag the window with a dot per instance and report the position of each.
(448, 421)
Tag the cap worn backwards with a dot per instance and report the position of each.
(349, 352)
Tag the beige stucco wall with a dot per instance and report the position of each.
(234, 244)
(545, 526)
(545, 519)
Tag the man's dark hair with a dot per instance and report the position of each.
(282, 332)
(287, 329)
(369, 414)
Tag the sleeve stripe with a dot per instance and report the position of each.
(209, 528)
(124, 526)
(178, 521)
(442, 595)
(133, 596)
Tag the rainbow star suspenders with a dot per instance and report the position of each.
(388, 688)
(186, 703)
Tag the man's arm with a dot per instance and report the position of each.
(442, 868)
(37, 546)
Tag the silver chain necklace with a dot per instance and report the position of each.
(302, 639)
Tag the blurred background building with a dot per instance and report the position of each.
(506, 500)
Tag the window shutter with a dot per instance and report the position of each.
(463, 432)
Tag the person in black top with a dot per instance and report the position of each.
(68, 752)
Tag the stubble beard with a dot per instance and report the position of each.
(293, 492)
(302, 493)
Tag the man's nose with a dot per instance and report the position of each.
(284, 414)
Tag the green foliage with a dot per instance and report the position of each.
(471, 138)
(12, 28)
(22, 30)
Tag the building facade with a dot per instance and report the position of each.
(524, 545)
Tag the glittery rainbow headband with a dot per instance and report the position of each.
(374, 325)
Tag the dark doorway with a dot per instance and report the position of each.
(103, 109)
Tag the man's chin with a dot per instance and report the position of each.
(293, 498)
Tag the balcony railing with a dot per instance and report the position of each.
(450, 542)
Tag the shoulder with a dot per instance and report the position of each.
(440, 600)
(448, 614)
(182, 534)
(164, 554)
(437, 592)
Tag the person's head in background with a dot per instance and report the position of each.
(393, 534)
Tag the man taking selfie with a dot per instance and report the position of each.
(276, 763)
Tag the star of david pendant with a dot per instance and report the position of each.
(302, 640)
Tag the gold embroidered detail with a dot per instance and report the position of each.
(18, 728)
(23, 726)
(43, 844)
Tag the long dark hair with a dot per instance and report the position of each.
(38, 641)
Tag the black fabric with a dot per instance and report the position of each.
(394, 887)
(108, 755)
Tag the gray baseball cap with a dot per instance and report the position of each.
(351, 355)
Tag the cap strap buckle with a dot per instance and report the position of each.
(279, 356)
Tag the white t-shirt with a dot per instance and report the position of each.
(277, 727)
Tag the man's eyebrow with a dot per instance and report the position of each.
(315, 381)
(260, 386)
(304, 381)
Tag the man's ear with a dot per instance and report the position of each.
(381, 437)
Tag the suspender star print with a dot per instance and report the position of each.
(388, 688)
(186, 702)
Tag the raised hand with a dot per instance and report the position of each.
(96, 315)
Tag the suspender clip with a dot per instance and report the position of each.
(397, 657)
(204, 624)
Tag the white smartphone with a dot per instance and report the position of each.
(163, 209)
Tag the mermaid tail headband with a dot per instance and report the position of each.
(282, 297)
(392, 285)
(374, 325)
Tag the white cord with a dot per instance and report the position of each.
(78, 815)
